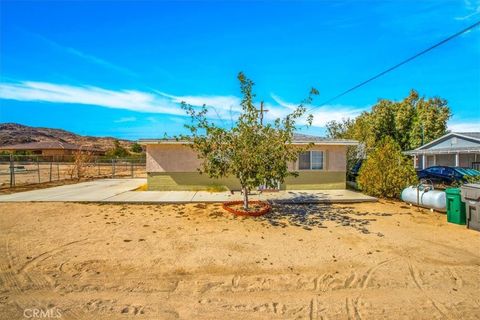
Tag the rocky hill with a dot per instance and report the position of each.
(14, 133)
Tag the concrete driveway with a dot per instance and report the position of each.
(91, 191)
(120, 191)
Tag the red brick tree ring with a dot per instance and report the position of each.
(256, 208)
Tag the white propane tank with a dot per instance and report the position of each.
(433, 199)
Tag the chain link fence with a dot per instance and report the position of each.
(21, 170)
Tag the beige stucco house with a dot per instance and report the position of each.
(172, 165)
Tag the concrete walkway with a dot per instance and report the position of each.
(119, 191)
(307, 196)
(90, 191)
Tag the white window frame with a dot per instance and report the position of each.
(310, 152)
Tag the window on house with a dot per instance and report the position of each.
(310, 160)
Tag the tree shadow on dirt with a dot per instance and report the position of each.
(310, 216)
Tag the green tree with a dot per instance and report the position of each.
(253, 152)
(410, 122)
(118, 150)
(386, 172)
(136, 147)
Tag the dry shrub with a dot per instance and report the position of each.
(81, 161)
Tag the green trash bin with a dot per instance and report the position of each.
(455, 206)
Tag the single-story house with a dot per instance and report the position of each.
(455, 149)
(172, 165)
(50, 148)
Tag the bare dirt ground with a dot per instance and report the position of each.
(45, 176)
(361, 261)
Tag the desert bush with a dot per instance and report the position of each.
(81, 161)
(136, 148)
(118, 151)
(386, 172)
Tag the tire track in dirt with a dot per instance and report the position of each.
(6, 271)
(414, 274)
(313, 314)
(458, 280)
(365, 279)
(38, 280)
(35, 282)
(47, 254)
(351, 305)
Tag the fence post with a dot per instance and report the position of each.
(38, 170)
(58, 171)
(131, 168)
(12, 171)
(51, 170)
(113, 168)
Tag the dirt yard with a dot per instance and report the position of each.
(58, 173)
(363, 261)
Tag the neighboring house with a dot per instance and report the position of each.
(172, 165)
(455, 149)
(50, 148)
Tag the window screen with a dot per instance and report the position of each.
(310, 160)
(317, 160)
(304, 160)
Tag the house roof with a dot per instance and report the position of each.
(47, 145)
(444, 151)
(470, 136)
(298, 138)
(474, 135)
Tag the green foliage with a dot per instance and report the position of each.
(255, 153)
(136, 148)
(472, 179)
(386, 172)
(117, 151)
(467, 179)
(408, 122)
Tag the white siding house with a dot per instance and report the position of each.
(455, 149)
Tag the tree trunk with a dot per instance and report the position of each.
(245, 198)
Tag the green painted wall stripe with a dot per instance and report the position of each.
(306, 180)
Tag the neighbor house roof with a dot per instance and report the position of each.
(298, 138)
(473, 137)
(48, 145)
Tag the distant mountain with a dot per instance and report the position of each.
(14, 133)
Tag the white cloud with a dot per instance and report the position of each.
(283, 103)
(84, 56)
(321, 115)
(59, 93)
(224, 108)
(152, 119)
(220, 102)
(126, 119)
(472, 8)
(464, 126)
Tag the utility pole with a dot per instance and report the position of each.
(261, 112)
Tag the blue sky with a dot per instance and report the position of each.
(120, 68)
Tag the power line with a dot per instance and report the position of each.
(398, 65)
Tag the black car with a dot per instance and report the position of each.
(446, 175)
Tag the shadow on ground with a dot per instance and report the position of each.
(309, 216)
